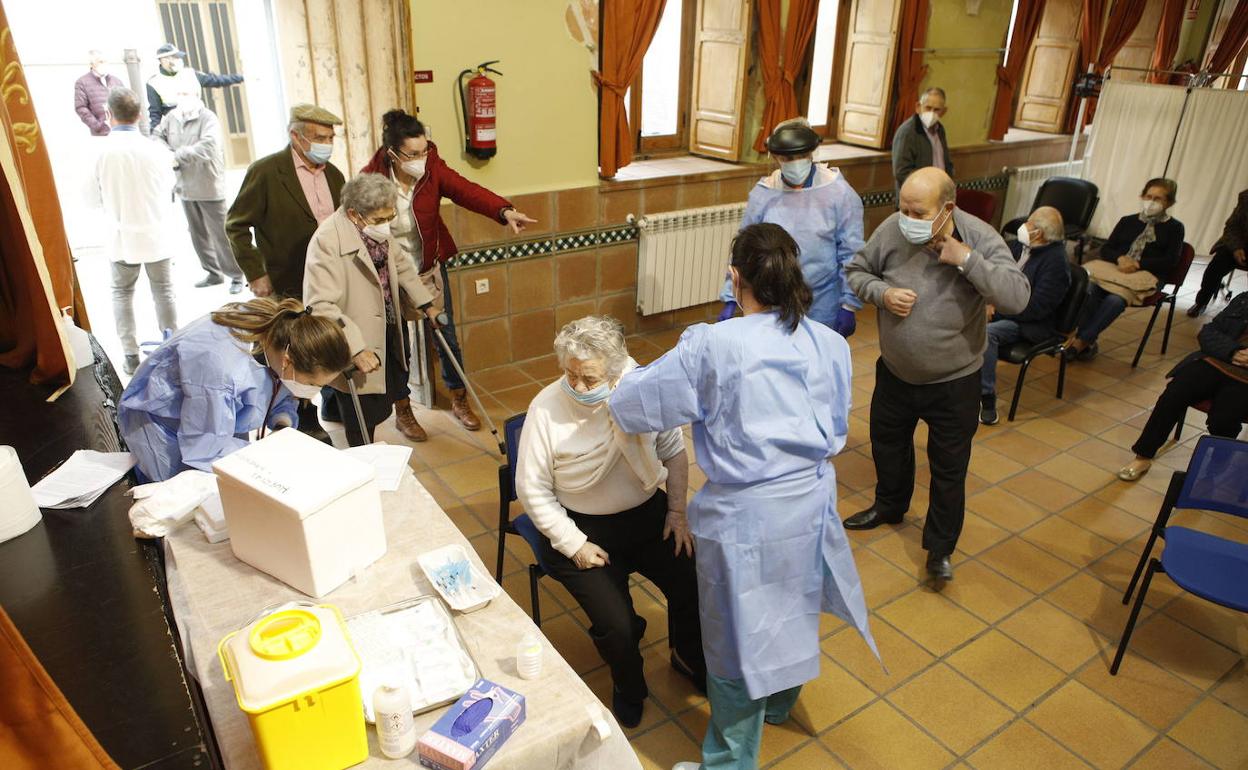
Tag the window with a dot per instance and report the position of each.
(823, 58)
(660, 94)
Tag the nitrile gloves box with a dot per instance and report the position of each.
(472, 730)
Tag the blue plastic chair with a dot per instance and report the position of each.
(522, 525)
(1211, 567)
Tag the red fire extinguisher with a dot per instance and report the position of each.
(478, 102)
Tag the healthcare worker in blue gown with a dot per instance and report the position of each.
(821, 211)
(199, 394)
(768, 395)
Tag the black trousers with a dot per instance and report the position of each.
(1192, 383)
(376, 406)
(951, 411)
(633, 540)
(1221, 263)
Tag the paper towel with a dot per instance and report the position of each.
(18, 512)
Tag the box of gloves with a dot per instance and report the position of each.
(301, 511)
(474, 729)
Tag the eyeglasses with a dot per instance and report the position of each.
(402, 156)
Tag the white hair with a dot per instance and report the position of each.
(1050, 223)
(367, 193)
(593, 338)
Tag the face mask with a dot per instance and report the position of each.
(319, 153)
(917, 231)
(929, 118)
(589, 398)
(414, 168)
(796, 171)
(189, 106)
(174, 65)
(300, 389)
(1151, 208)
(379, 233)
(1024, 235)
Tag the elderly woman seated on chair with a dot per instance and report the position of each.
(1217, 373)
(1149, 242)
(594, 493)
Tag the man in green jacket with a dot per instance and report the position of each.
(284, 197)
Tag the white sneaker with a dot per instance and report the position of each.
(687, 766)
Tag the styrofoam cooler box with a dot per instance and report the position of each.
(301, 511)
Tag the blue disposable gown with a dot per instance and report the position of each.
(826, 221)
(195, 399)
(768, 409)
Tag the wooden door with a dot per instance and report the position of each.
(720, 47)
(1137, 52)
(867, 81)
(1050, 71)
(205, 30)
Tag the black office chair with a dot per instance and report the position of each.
(522, 525)
(1076, 199)
(1065, 322)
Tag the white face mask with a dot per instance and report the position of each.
(414, 168)
(300, 389)
(919, 231)
(795, 172)
(174, 65)
(379, 233)
(929, 118)
(1024, 235)
(189, 106)
(1151, 208)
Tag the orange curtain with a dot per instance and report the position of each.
(1167, 40)
(910, 66)
(36, 272)
(778, 78)
(1026, 24)
(1124, 17)
(1232, 40)
(627, 29)
(1089, 42)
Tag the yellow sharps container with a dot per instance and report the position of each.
(296, 675)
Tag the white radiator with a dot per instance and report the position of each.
(1025, 181)
(682, 256)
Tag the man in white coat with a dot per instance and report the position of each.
(133, 182)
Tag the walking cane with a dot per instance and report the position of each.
(444, 320)
(355, 399)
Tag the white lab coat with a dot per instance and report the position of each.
(132, 181)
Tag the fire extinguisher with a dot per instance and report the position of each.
(478, 102)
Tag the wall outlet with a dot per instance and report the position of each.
(483, 286)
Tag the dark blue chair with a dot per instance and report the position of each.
(522, 525)
(1211, 567)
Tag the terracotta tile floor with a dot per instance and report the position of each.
(1006, 669)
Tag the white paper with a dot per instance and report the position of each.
(390, 462)
(81, 479)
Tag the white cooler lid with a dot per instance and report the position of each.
(295, 471)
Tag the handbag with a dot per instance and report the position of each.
(1132, 287)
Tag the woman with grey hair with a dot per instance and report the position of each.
(357, 276)
(593, 492)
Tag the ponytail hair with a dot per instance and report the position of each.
(397, 126)
(765, 256)
(313, 343)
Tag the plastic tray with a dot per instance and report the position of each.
(418, 639)
(479, 594)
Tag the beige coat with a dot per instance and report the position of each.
(341, 283)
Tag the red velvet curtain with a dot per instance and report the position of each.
(1089, 42)
(1232, 40)
(36, 271)
(1026, 24)
(910, 66)
(1124, 17)
(778, 78)
(627, 29)
(1167, 40)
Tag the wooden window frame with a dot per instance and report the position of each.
(826, 129)
(677, 143)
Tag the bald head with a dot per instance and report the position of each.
(926, 192)
(1046, 222)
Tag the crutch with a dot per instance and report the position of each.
(443, 320)
(355, 400)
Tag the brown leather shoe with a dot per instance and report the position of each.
(406, 422)
(463, 411)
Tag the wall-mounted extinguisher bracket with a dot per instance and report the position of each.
(478, 100)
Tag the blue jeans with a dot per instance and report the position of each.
(1099, 311)
(736, 730)
(449, 376)
(1000, 333)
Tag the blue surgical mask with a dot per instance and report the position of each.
(795, 172)
(917, 231)
(588, 398)
(319, 153)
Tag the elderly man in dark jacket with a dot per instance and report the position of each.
(1230, 252)
(91, 95)
(921, 141)
(1041, 254)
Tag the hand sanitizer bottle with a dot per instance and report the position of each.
(392, 709)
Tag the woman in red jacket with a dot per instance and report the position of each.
(423, 178)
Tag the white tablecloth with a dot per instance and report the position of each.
(213, 593)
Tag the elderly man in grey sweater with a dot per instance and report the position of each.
(931, 270)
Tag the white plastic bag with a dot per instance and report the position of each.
(163, 506)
